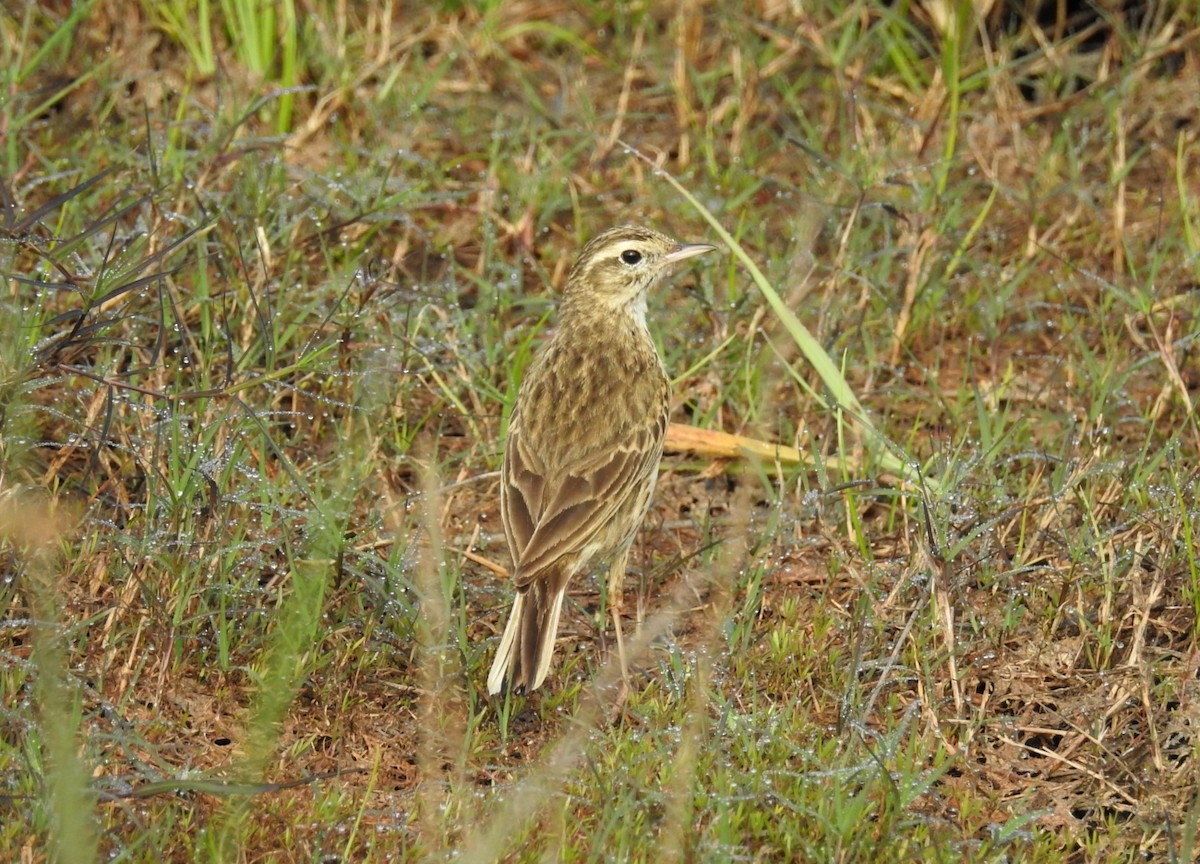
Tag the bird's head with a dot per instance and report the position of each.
(616, 269)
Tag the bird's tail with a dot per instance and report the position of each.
(527, 646)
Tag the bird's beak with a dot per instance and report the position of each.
(687, 250)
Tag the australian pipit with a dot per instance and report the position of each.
(584, 443)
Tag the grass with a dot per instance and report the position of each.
(269, 292)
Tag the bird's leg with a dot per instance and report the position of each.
(616, 595)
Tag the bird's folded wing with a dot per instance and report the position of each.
(552, 516)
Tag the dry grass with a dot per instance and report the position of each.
(254, 383)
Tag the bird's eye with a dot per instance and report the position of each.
(631, 256)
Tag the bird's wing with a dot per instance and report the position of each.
(551, 516)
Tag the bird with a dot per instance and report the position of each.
(584, 443)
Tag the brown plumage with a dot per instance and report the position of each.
(584, 442)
